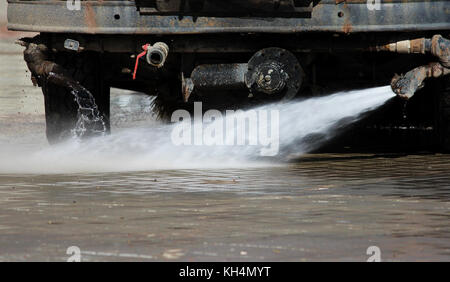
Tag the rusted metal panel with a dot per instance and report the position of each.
(122, 17)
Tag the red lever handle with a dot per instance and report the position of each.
(145, 48)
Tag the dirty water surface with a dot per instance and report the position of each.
(318, 207)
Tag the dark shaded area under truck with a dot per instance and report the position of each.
(238, 53)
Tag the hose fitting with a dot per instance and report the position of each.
(405, 86)
(157, 54)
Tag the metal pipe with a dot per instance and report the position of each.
(437, 46)
(214, 77)
(157, 54)
(405, 86)
(219, 77)
(440, 47)
(415, 46)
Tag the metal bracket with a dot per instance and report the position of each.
(71, 44)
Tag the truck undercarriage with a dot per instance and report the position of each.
(233, 54)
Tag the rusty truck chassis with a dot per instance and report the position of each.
(248, 46)
(177, 19)
(130, 17)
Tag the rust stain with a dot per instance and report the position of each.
(347, 27)
(89, 17)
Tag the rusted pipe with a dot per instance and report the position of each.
(415, 46)
(405, 86)
(437, 46)
(440, 47)
(37, 59)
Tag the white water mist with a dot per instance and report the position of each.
(150, 148)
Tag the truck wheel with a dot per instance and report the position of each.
(61, 111)
(443, 119)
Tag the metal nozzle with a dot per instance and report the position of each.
(157, 54)
(405, 86)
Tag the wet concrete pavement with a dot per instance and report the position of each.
(320, 207)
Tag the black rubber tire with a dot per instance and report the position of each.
(443, 111)
(60, 108)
